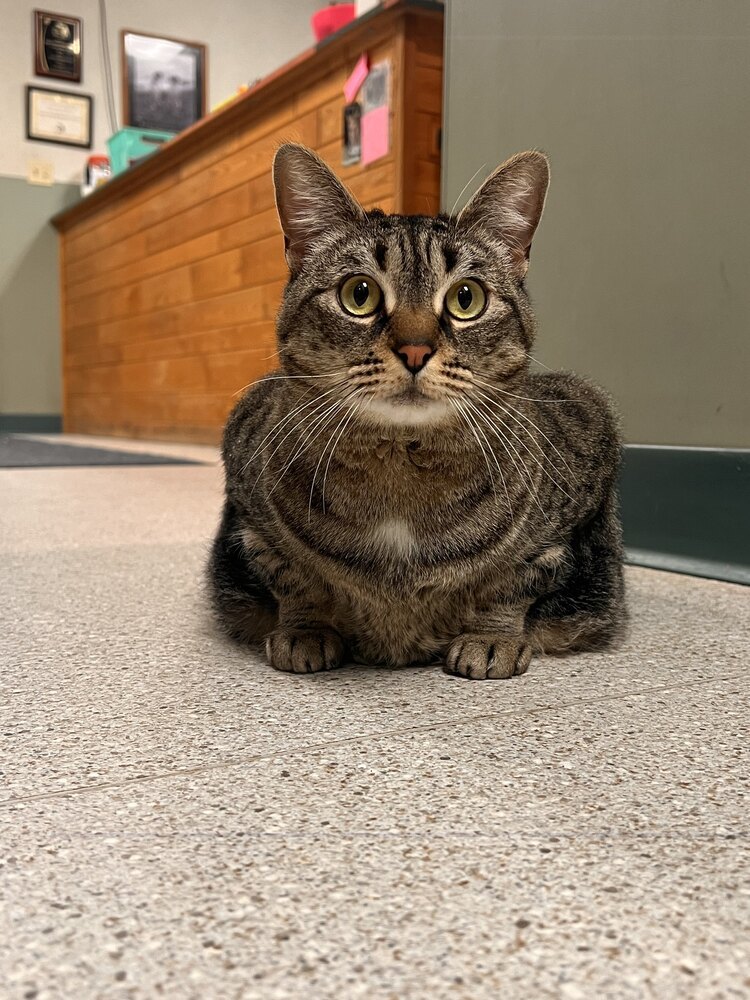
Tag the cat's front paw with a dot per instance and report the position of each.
(301, 651)
(483, 657)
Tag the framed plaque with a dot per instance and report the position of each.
(163, 81)
(58, 116)
(58, 46)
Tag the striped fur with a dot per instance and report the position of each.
(467, 514)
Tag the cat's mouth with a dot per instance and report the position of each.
(409, 405)
(411, 395)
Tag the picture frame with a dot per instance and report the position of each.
(59, 116)
(351, 152)
(58, 46)
(163, 81)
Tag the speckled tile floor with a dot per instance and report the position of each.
(177, 820)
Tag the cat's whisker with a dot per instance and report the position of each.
(523, 416)
(527, 419)
(542, 461)
(309, 437)
(463, 191)
(317, 467)
(469, 413)
(511, 450)
(538, 362)
(514, 412)
(506, 392)
(279, 425)
(314, 421)
(531, 438)
(462, 412)
(266, 357)
(514, 455)
(278, 378)
(354, 411)
(320, 398)
(533, 485)
(280, 444)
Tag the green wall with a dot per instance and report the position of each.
(30, 381)
(640, 271)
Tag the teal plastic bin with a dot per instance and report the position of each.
(131, 145)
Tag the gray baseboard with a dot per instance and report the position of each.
(688, 510)
(30, 423)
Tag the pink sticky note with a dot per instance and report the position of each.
(357, 78)
(375, 127)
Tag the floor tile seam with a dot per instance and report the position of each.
(86, 549)
(172, 462)
(250, 759)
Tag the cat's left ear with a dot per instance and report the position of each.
(310, 199)
(510, 204)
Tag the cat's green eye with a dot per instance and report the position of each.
(360, 295)
(466, 299)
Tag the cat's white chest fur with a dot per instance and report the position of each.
(393, 535)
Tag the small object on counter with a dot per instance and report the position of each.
(98, 171)
(242, 89)
(131, 145)
(331, 19)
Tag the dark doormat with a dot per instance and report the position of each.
(19, 452)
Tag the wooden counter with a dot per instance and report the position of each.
(172, 274)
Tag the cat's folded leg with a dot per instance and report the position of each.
(587, 610)
(303, 643)
(244, 605)
(258, 595)
(493, 646)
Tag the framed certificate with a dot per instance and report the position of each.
(58, 116)
(58, 46)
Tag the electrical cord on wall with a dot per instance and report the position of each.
(107, 67)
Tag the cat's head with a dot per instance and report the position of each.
(402, 314)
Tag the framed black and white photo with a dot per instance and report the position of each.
(164, 82)
(58, 45)
(58, 116)
(352, 138)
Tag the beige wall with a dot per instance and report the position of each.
(640, 271)
(246, 39)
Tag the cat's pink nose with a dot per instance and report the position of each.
(415, 356)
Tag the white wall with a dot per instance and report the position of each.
(246, 39)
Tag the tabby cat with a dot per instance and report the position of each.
(404, 489)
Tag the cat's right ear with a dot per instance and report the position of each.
(310, 200)
(510, 204)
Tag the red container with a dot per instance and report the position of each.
(331, 19)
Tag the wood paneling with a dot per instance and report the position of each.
(173, 273)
